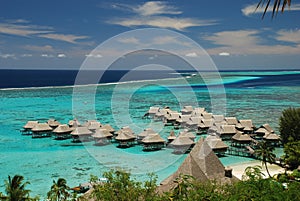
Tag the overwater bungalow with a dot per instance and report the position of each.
(125, 139)
(231, 121)
(171, 117)
(272, 138)
(207, 115)
(161, 113)
(186, 133)
(171, 137)
(152, 111)
(28, 126)
(218, 119)
(94, 125)
(53, 123)
(109, 128)
(62, 132)
(260, 133)
(216, 144)
(126, 129)
(246, 126)
(81, 134)
(241, 140)
(193, 123)
(197, 112)
(144, 134)
(182, 145)
(183, 119)
(102, 136)
(153, 142)
(227, 132)
(74, 123)
(204, 125)
(41, 130)
(187, 110)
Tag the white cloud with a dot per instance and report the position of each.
(63, 37)
(61, 55)
(162, 22)
(21, 30)
(94, 55)
(155, 8)
(191, 54)
(224, 54)
(251, 9)
(47, 55)
(26, 55)
(7, 56)
(246, 42)
(36, 48)
(292, 36)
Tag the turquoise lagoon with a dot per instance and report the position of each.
(260, 96)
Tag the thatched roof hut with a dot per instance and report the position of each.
(63, 128)
(271, 137)
(187, 110)
(109, 128)
(240, 139)
(182, 144)
(207, 115)
(41, 130)
(227, 131)
(218, 118)
(216, 144)
(231, 120)
(102, 136)
(93, 125)
(152, 111)
(197, 112)
(203, 164)
(81, 134)
(145, 133)
(185, 133)
(74, 123)
(125, 139)
(30, 124)
(126, 129)
(153, 142)
(53, 123)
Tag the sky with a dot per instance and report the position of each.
(62, 34)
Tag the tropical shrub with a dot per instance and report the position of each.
(289, 125)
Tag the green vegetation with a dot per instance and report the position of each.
(265, 153)
(120, 186)
(289, 125)
(292, 154)
(59, 191)
(16, 189)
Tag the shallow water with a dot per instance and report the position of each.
(248, 96)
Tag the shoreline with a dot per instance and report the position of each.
(238, 169)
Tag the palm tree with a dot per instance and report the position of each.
(15, 189)
(59, 191)
(276, 6)
(265, 152)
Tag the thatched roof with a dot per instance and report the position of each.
(246, 123)
(41, 127)
(30, 124)
(93, 125)
(126, 129)
(268, 128)
(187, 109)
(108, 127)
(202, 163)
(81, 131)
(240, 137)
(206, 123)
(262, 131)
(101, 133)
(271, 137)
(53, 123)
(63, 128)
(231, 120)
(146, 132)
(182, 141)
(153, 110)
(74, 123)
(184, 118)
(207, 115)
(218, 118)
(198, 111)
(227, 129)
(124, 136)
(172, 115)
(187, 134)
(153, 138)
(215, 142)
(172, 136)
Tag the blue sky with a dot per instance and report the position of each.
(61, 34)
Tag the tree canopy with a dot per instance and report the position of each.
(289, 125)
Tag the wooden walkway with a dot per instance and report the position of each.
(243, 152)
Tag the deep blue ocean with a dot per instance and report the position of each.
(121, 99)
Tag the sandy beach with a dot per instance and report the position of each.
(239, 169)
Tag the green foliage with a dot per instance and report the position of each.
(253, 173)
(122, 188)
(292, 154)
(289, 126)
(59, 191)
(265, 153)
(16, 189)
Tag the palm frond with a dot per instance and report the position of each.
(276, 6)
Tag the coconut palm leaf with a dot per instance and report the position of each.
(276, 6)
